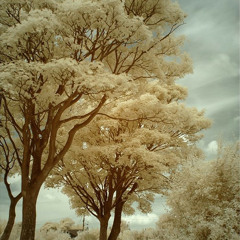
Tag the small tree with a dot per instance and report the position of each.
(204, 200)
(8, 167)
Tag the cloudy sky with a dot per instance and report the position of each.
(212, 31)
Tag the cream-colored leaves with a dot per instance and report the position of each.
(105, 15)
(42, 82)
(154, 11)
(204, 198)
(34, 39)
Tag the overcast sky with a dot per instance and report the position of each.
(212, 31)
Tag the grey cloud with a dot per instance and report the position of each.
(213, 43)
(4, 199)
(211, 27)
(15, 188)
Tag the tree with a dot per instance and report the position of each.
(8, 158)
(62, 61)
(112, 164)
(204, 199)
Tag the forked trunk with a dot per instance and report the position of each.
(103, 228)
(29, 216)
(11, 219)
(116, 227)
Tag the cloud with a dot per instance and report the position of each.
(213, 42)
(225, 103)
(212, 37)
(237, 119)
(140, 219)
(4, 199)
(212, 147)
(15, 186)
(215, 68)
(50, 195)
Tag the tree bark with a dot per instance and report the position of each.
(29, 215)
(11, 218)
(103, 228)
(116, 227)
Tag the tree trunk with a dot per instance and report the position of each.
(29, 216)
(103, 228)
(116, 227)
(11, 218)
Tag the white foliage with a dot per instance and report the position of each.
(205, 200)
(55, 231)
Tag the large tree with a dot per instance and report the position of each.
(63, 60)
